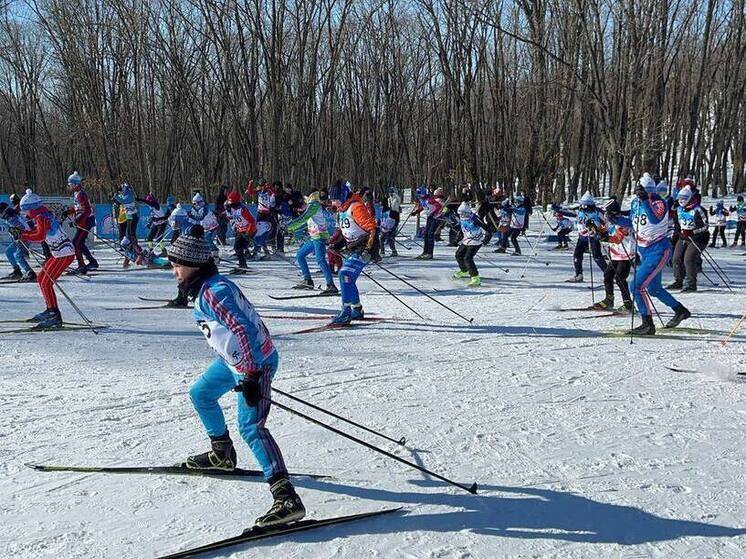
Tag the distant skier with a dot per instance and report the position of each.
(649, 217)
(16, 253)
(740, 210)
(432, 206)
(244, 226)
(47, 229)
(589, 220)
(503, 228)
(695, 233)
(622, 252)
(315, 221)
(247, 362)
(474, 233)
(84, 221)
(517, 223)
(720, 219)
(357, 239)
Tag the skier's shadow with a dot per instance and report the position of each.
(519, 512)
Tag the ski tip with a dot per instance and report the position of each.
(473, 488)
(33, 466)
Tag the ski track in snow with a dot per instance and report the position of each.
(583, 446)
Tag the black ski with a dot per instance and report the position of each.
(154, 300)
(66, 327)
(255, 533)
(144, 308)
(309, 296)
(178, 469)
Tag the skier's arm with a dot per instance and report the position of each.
(39, 232)
(301, 220)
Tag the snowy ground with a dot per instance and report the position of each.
(583, 445)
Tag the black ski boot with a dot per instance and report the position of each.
(221, 457)
(331, 289)
(603, 305)
(647, 328)
(681, 313)
(14, 275)
(287, 506)
(677, 284)
(307, 283)
(28, 277)
(690, 287)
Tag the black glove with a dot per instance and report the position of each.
(641, 193)
(250, 389)
(15, 232)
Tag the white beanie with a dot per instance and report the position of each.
(30, 200)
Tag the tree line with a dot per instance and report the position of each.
(549, 97)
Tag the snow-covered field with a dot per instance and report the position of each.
(583, 445)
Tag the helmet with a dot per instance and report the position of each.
(647, 182)
(150, 199)
(587, 200)
(30, 201)
(234, 198)
(464, 209)
(685, 195)
(313, 197)
(74, 180)
(518, 200)
(439, 193)
(198, 199)
(171, 200)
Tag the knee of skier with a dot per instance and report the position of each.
(199, 396)
(248, 430)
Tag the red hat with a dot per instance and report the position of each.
(234, 197)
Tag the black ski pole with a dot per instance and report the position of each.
(88, 322)
(471, 489)
(634, 293)
(714, 283)
(716, 266)
(590, 262)
(469, 320)
(704, 254)
(402, 225)
(371, 278)
(402, 441)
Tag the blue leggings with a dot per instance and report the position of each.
(318, 247)
(351, 268)
(647, 280)
(219, 379)
(16, 255)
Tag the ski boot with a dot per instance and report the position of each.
(516, 253)
(424, 256)
(603, 305)
(307, 283)
(356, 312)
(577, 278)
(221, 457)
(52, 320)
(677, 284)
(14, 275)
(28, 277)
(79, 271)
(500, 250)
(42, 316)
(558, 247)
(394, 253)
(460, 275)
(626, 308)
(647, 328)
(287, 506)
(475, 281)
(91, 266)
(331, 289)
(344, 316)
(690, 287)
(681, 313)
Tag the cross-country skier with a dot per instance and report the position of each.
(84, 221)
(563, 227)
(388, 232)
(649, 217)
(622, 252)
(16, 253)
(474, 233)
(47, 229)
(244, 226)
(314, 219)
(127, 199)
(517, 223)
(503, 227)
(157, 220)
(687, 255)
(720, 220)
(740, 210)
(247, 362)
(589, 220)
(357, 239)
(433, 205)
(178, 221)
